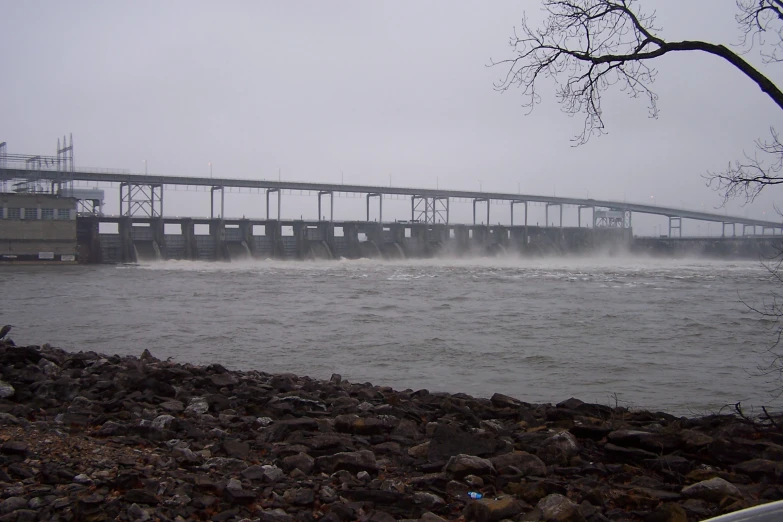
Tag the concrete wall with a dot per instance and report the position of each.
(37, 223)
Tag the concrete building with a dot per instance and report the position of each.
(37, 228)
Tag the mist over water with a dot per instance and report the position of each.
(661, 334)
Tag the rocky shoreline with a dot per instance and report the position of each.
(90, 437)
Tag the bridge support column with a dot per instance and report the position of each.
(88, 240)
(479, 200)
(397, 233)
(212, 202)
(462, 239)
(380, 206)
(274, 231)
(675, 223)
(301, 239)
(331, 205)
(246, 233)
(189, 236)
(374, 233)
(327, 233)
(351, 235)
(279, 201)
(127, 250)
(217, 231)
(158, 235)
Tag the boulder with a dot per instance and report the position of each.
(493, 509)
(354, 462)
(463, 465)
(526, 463)
(557, 508)
(712, 490)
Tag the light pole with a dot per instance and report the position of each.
(210, 170)
(479, 182)
(342, 178)
(145, 167)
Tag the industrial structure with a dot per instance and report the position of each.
(430, 230)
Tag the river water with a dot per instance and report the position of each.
(663, 334)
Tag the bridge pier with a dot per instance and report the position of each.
(127, 251)
(88, 242)
(274, 231)
(246, 233)
(188, 229)
(217, 231)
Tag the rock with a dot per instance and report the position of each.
(504, 401)
(225, 464)
(356, 461)
(162, 422)
(428, 500)
(300, 461)
(275, 515)
(197, 406)
(693, 439)
(172, 406)
(223, 379)
(12, 504)
(758, 468)
(448, 440)
(140, 496)
(712, 490)
(527, 464)
(14, 447)
(462, 465)
(6, 390)
(493, 509)
(557, 508)
(236, 449)
(668, 513)
(420, 451)
(559, 448)
(267, 473)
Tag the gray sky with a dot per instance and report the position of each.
(367, 88)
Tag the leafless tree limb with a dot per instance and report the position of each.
(590, 46)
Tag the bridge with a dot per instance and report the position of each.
(143, 231)
(141, 195)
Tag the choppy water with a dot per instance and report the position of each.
(668, 334)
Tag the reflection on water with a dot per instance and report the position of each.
(669, 334)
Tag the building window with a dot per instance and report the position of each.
(47, 213)
(31, 213)
(14, 213)
(63, 213)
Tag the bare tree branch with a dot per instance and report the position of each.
(590, 46)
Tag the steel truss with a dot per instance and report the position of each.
(145, 200)
(430, 210)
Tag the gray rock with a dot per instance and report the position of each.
(559, 448)
(225, 464)
(197, 406)
(172, 406)
(301, 461)
(712, 490)
(12, 504)
(493, 509)
(557, 508)
(463, 465)
(428, 500)
(162, 422)
(6, 390)
(275, 515)
(448, 440)
(354, 462)
(528, 464)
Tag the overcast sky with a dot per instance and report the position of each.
(369, 89)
